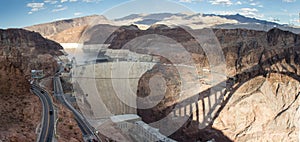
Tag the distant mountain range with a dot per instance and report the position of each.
(244, 19)
(199, 20)
(157, 16)
(71, 30)
(163, 16)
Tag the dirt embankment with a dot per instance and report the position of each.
(20, 52)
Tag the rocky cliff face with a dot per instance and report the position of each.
(67, 31)
(20, 52)
(265, 65)
(266, 105)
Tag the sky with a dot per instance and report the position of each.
(21, 13)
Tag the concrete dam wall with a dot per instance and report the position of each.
(109, 88)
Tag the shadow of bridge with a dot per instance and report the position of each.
(204, 107)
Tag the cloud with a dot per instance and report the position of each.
(223, 2)
(249, 9)
(238, 3)
(189, 1)
(253, 4)
(91, 0)
(50, 1)
(60, 9)
(58, 6)
(225, 12)
(256, 4)
(295, 20)
(250, 12)
(77, 13)
(288, 0)
(62, 1)
(35, 6)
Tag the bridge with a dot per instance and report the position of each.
(205, 106)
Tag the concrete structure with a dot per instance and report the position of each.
(70, 45)
(92, 48)
(126, 55)
(126, 121)
(132, 125)
(111, 83)
(145, 133)
(37, 74)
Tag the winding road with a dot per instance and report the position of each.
(48, 118)
(48, 121)
(88, 131)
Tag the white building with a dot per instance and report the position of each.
(144, 132)
(124, 122)
(139, 130)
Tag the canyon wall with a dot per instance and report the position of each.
(263, 105)
(20, 52)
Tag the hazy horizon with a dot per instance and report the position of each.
(20, 14)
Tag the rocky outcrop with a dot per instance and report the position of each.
(262, 109)
(67, 127)
(20, 52)
(69, 30)
(20, 39)
(265, 66)
(242, 48)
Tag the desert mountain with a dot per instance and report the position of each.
(74, 30)
(243, 19)
(68, 30)
(21, 111)
(198, 21)
(149, 19)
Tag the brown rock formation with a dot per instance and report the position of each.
(69, 30)
(20, 52)
(67, 127)
(266, 64)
